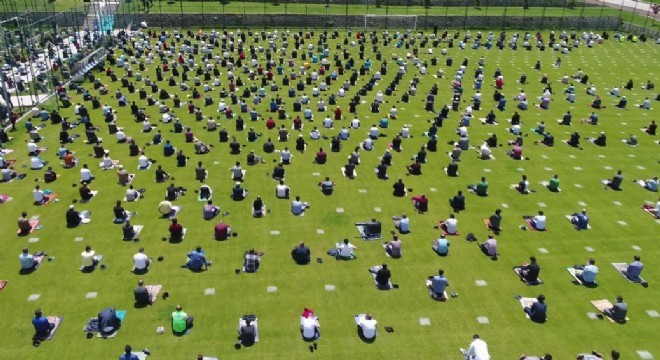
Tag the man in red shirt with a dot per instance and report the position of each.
(321, 156)
(176, 231)
(421, 203)
(222, 231)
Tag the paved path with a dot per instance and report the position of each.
(639, 7)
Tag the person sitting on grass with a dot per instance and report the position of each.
(197, 260)
(24, 226)
(458, 202)
(402, 223)
(210, 211)
(247, 334)
(529, 272)
(42, 327)
(237, 192)
(399, 188)
(258, 207)
(651, 184)
(421, 203)
(617, 312)
(73, 218)
(128, 354)
(367, 327)
(489, 247)
(346, 250)
(176, 230)
(327, 186)
(588, 273)
(538, 311)
(450, 226)
(251, 261)
(441, 246)
(580, 220)
(415, 168)
(481, 189)
(523, 185)
(301, 254)
(89, 259)
(634, 269)
(393, 248)
(438, 285)
(85, 192)
(538, 221)
(553, 184)
(383, 276)
(128, 231)
(27, 260)
(495, 220)
(615, 182)
(652, 128)
(141, 294)
(181, 322)
(221, 231)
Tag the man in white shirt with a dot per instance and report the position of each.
(309, 326)
(368, 327)
(89, 258)
(285, 156)
(346, 249)
(131, 194)
(32, 148)
(86, 174)
(36, 163)
(141, 261)
(327, 123)
(485, 151)
(143, 161)
(121, 136)
(282, 191)
(237, 172)
(451, 225)
(315, 134)
(478, 350)
(373, 132)
(298, 207)
(539, 221)
(39, 197)
(403, 224)
(355, 123)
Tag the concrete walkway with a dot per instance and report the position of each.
(638, 7)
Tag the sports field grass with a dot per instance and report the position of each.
(620, 229)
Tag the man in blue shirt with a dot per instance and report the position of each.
(197, 260)
(28, 262)
(438, 285)
(581, 220)
(634, 269)
(589, 272)
(42, 326)
(128, 354)
(538, 311)
(441, 246)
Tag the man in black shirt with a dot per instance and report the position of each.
(301, 254)
(142, 297)
(399, 188)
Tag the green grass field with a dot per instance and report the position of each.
(569, 331)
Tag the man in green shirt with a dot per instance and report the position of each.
(481, 189)
(181, 322)
(553, 185)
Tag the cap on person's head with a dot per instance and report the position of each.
(121, 167)
(71, 206)
(238, 183)
(179, 308)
